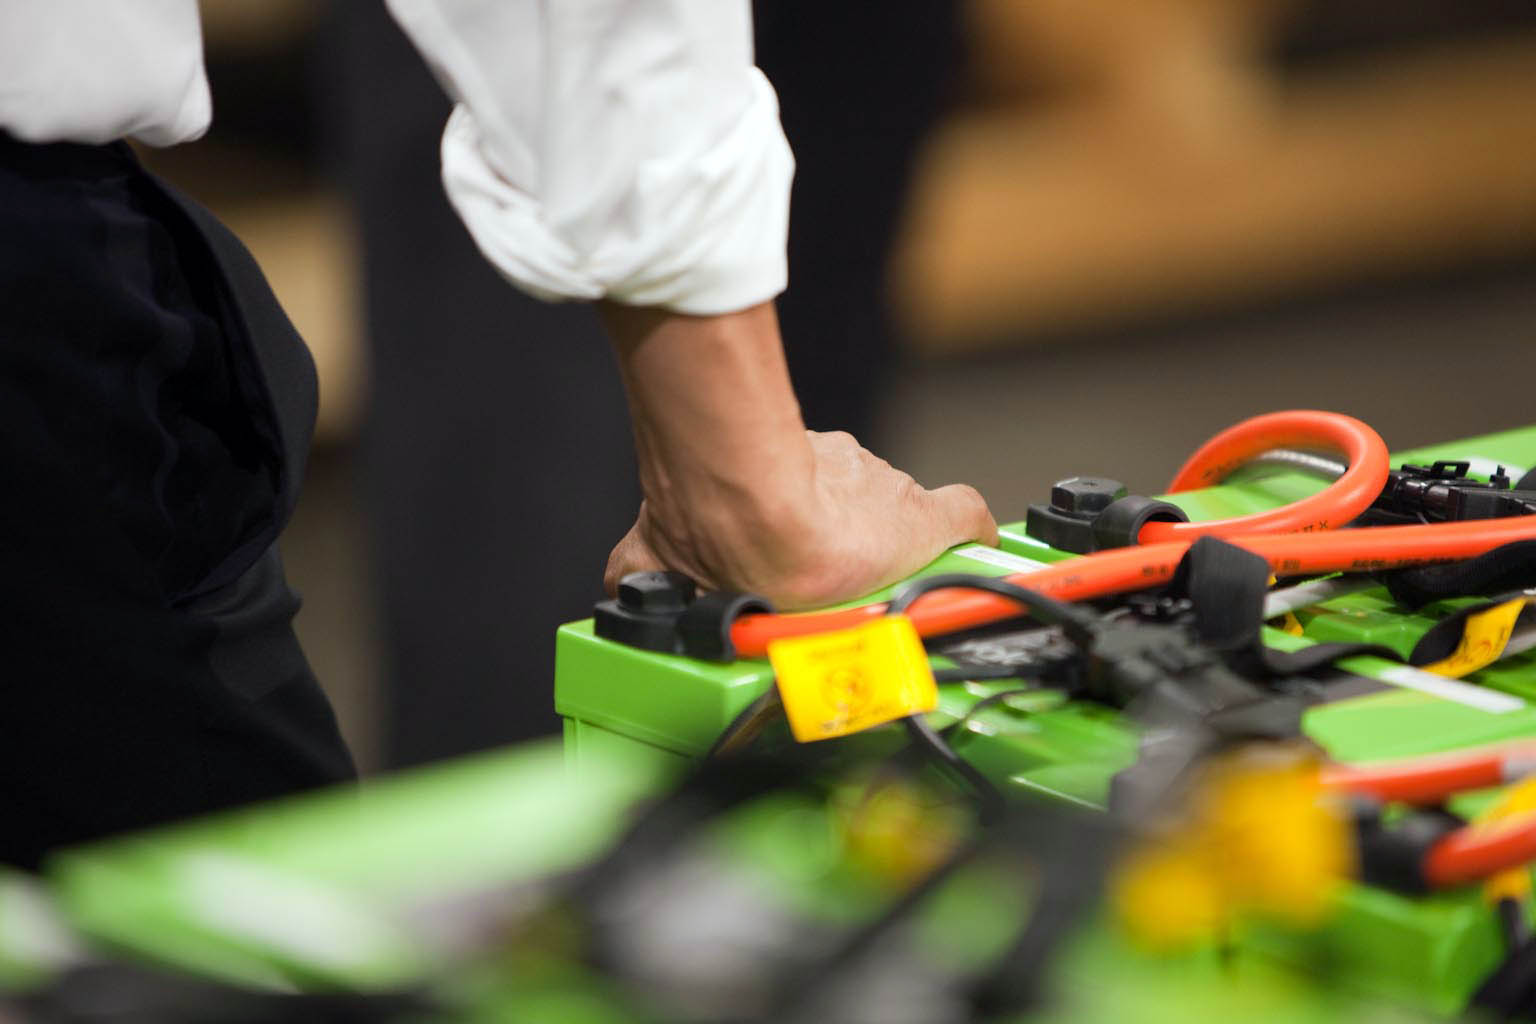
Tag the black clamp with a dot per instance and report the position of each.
(662, 611)
(1090, 513)
(1392, 854)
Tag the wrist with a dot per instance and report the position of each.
(725, 463)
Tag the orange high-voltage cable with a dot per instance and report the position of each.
(1435, 777)
(1151, 564)
(1475, 852)
(1351, 494)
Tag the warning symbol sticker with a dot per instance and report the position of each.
(849, 680)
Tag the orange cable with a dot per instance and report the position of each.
(1152, 564)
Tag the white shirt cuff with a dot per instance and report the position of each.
(700, 233)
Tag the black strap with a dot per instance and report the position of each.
(1226, 586)
(1506, 568)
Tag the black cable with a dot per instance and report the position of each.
(1076, 622)
(748, 724)
(800, 993)
(1512, 923)
(1064, 855)
(931, 743)
(1508, 991)
(751, 720)
(978, 673)
(959, 724)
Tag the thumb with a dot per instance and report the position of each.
(630, 554)
(962, 515)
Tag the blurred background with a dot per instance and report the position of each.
(1031, 238)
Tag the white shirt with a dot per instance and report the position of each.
(619, 148)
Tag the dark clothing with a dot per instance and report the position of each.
(155, 408)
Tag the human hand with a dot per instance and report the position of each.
(854, 525)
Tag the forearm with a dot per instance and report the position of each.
(739, 495)
(725, 463)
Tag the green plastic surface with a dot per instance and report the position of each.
(1426, 953)
(338, 888)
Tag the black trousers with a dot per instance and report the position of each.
(155, 410)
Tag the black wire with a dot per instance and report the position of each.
(977, 673)
(1512, 923)
(1064, 855)
(1078, 624)
(751, 720)
(805, 987)
(931, 743)
(1508, 991)
(986, 702)
(748, 724)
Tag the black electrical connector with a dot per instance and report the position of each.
(662, 611)
(1392, 853)
(1090, 513)
(1442, 493)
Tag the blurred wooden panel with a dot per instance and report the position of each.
(1068, 215)
(256, 25)
(305, 244)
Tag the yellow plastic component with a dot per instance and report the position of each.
(849, 680)
(1482, 640)
(1168, 898)
(900, 834)
(1258, 837)
(1287, 622)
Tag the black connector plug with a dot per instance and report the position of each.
(1091, 513)
(662, 611)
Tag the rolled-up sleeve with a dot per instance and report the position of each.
(618, 148)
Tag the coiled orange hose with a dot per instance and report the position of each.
(1343, 500)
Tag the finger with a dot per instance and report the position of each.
(963, 514)
(630, 554)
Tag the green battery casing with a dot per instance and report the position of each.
(1429, 952)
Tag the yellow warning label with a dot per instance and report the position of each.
(1483, 640)
(845, 681)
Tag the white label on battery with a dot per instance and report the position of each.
(1305, 595)
(1001, 559)
(1491, 701)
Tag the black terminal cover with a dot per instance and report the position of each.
(646, 611)
(662, 611)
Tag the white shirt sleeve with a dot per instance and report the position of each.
(619, 148)
(97, 70)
